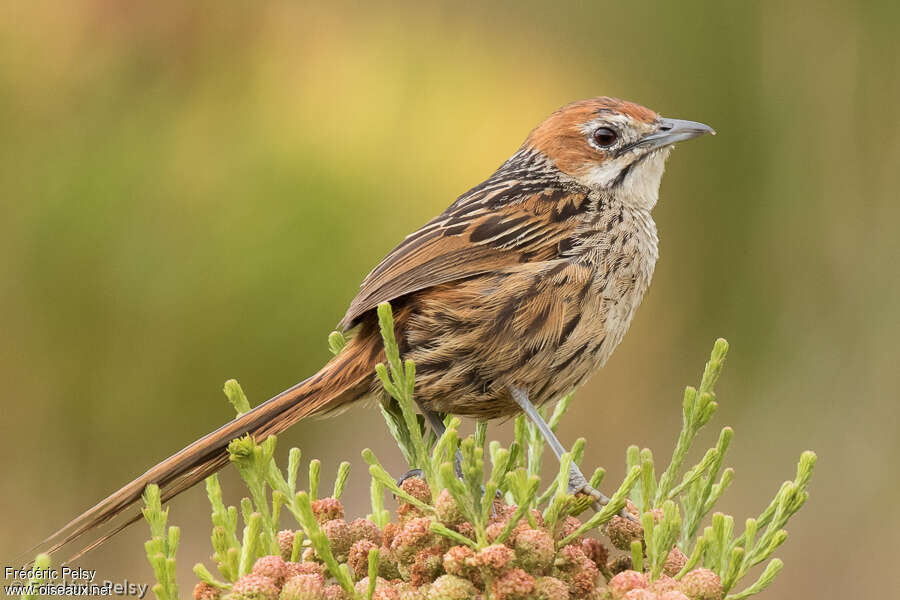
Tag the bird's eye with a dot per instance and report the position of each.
(604, 137)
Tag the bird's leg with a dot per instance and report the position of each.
(577, 481)
(436, 420)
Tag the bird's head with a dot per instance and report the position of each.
(612, 145)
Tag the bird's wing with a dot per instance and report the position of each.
(480, 233)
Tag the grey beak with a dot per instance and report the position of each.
(675, 130)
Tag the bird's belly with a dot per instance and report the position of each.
(542, 329)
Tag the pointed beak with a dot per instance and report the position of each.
(672, 131)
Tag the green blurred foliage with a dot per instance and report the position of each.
(192, 192)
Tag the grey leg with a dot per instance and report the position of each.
(435, 419)
(577, 481)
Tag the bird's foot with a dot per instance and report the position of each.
(457, 467)
(409, 475)
(579, 485)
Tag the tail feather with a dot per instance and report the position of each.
(343, 380)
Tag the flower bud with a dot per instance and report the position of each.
(459, 561)
(407, 592)
(286, 543)
(427, 566)
(621, 532)
(255, 587)
(702, 584)
(327, 509)
(673, 595)
(383, 589)
(664, 584)
(358, 557)
(451, 587)
(514, 585)
(495, 558)
(335, 592)
(675, 561)
(415, 535)
(550, 588)
(303, 568)
(387, 564)
(389, 532)
(626, 581)
(304, 587)
(494, 530)
(338, 533)
(364, 529)
(204, 591)
(272, 567)
(465, 528)
(576, 569)
(569, 526)
(417, 488)
(535, 550)
(447, 510)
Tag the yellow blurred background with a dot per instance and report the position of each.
(192, 192)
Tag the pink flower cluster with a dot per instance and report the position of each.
(416, 563)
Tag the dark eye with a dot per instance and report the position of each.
(604, 137)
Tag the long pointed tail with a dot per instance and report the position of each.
(345, 379)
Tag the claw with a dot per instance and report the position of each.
(409, 475)
(579, 485)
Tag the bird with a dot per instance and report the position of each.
(509, 299)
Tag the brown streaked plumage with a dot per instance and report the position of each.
(528, 281)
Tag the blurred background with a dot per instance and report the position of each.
(190, 193)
